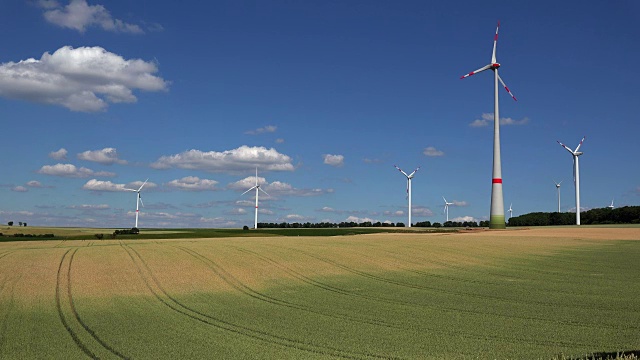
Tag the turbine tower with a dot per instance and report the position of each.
(496, 220)
(138, 200)
(558, 187)
(446, 207)
(576, 175)
(409, 177)
(611, 206)
(258, 188)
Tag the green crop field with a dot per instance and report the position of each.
(546, 293)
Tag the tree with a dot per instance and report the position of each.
(245, 227)
(24, 224)
(436, 225)
(400, 224)
(10, 223)
(19, 223)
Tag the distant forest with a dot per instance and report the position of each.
(621, 215)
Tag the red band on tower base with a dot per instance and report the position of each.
(497, 181)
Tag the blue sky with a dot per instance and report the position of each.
(324, 97)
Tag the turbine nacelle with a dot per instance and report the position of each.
(495, 66)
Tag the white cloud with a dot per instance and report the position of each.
(262, 130)
(90, 207)
(70, 170)
(432, 151)
(79, 15)
(359, 219)
(295, 217)
(236, 211)
(232, 161)
(463, 219)
(421, 211)
(279, 141)
(193, 183)
(59, 155)
(276, 188)
(106, 156)
(246, 183)
(333, 160)
(19, 189)
(34, 184)
(82, 79)
(99, 185)
(487, 118)
(459, 203)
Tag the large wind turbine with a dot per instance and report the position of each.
(496, 220)
(409, 177)
(258, 188)
(558, 187)
(576, 175)
(446, 207)
(138, 200)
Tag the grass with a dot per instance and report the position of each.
(528, 294)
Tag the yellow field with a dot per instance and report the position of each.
(536, 292)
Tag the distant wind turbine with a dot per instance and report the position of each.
(496, 220)
(558, 187)
(409, 177)
(138, 200)
(510, 211)
(576, 174)
(611, 206)
(257, 187)
(446, 207)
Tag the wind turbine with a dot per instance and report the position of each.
(576, 175)
(611, 206)
(258, 188)
(138, 200)
(496, 220)
(558, 187)
(409, 177)
(446, 207)
(510, 211)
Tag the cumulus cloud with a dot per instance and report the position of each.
(459, 203)
(276, 188)
(333, 160)
(70, 170)
(359, 220)
(59, 155)
(296, 217)
(432, 152)
(232, 161)
(262, 130)
(19, 189)
(463, 219)
(421, 211)
(89, 207)
(34, 184)
(79, 15)
(99, 185)
(83, 79)
(487, 118)
(193, 183)
(106, 156)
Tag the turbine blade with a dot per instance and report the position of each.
(445, 200)
(248, 190)
(404, 173)
(140, 197)
(143, 184)
(495, 42)
(574, 170)
(259, 188)
(565, 147)
(581, 141)
(131, 190)
(414, 171)
(486, 67)
(507, 88)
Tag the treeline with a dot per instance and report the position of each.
(344, 224)
(621, 215)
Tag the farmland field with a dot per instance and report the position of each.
(529, 293)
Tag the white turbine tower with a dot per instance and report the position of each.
(611, 206)
(258, 188)
(446, 207)
(558, 187)
(576, 175)
(138, 200)
(409, 177)
(510, 211)
(496, 220)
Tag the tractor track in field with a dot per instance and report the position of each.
(458, 293)
(6, 253)
(243, 288)
(70, 331)
(349, 293)
(60, 283)
(158, 291)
